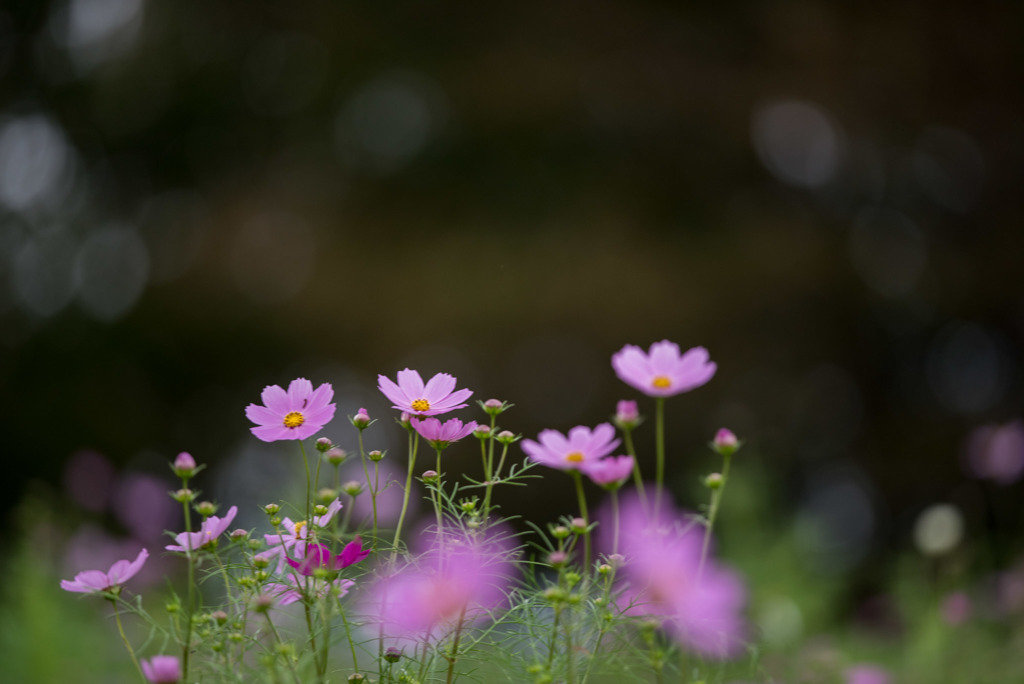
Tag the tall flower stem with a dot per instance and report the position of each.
(716, 498)
(583, 513)
(439, 500)
(615, 522)
(305, 461)
(455, 646)
(127, 644)
(187, 646)
(627, 436)
(413, 445)
(371, 486)
(659, 436)
(494, 474)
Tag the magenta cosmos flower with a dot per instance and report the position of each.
(318, 556)
(582, 447)
(412, 396)
(296, 414)
(610, 472)
(439, 434)
(162, 669)
(283, 544)
(207, 535)
(663, 372)
(93, 581)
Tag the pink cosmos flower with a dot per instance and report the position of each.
(207, 535)
(287, 591)
(610, 472)
(582, 447)
(296, 414)
(627, 415)
(956, 608)
(663, 372)
(996, 452)
(281, 545)
(162, 669)
(702, 610)
(410, 395)
(439, 434)
(318, 556)
(93, 581)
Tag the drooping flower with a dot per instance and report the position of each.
(663, 372)
(318, 556)
(610, 472)
(288, 591)
(700, 608)
(281, 545)
(411, 396)
(296, 414)
(583, 446)
(161, 669)
(439, 434)
(94, 581)
(207, 535)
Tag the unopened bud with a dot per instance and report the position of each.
(627, 416)
(356, 677)
(403, 420)
(560, 532)
(578, 525)
(183, 495)
(506, 437)
(554, 594)
(335, 456)
(494, 406)
(375, 455)
(326, 495)
(482, 431)
(263, 603)
(352, 488)
(362, 419)
(275, 521)
(557, 559)
(430, 476)
(319, 509)
(616, 560)
(468, 506)
(206, 508)
(323, 444)
(184, 465)
(260, 562)
(219, 616)
(272, 509)
(239, 534)
(725, 442)
(392, 654)
(604, 568)
(714, 481)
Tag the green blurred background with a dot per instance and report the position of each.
(198, 199)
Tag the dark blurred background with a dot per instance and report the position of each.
(199, 199)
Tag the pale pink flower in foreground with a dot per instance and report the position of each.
(439, 434)
(207, 535)
(867, 674)
(663, 372)
(581, 448)
(996, 452)
(288, 591)
(281, 545)
(702, 611)
(411, 396)
(610, 472)
(956, 608)
(296, 414)
(161, 669)
(93, 581)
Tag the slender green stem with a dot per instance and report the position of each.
(659, 431)
(305, 461)
(326, 641)
(127, 644)
(413, 445)
(309, 626)
(348, 636)
(583, 514)
(627, 435)
(439, 501)
(496, 473)
(615, 521)
(291, 665)
(371, 486)
(455, 646)
(190, 589)
(716, 498)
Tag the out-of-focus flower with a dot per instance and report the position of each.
(582, 447)
(93, 581)
(938, 529)
(700, 608)
(207, 535)
(184, 465)
(956, 608)
(725, 442)
(610, 472)
(866, 674)
(296, 414)
(161, 669)
(318, 556)
(996, 452)
(663, 372)
(439, 434)
(627, 415)
(411, 396)
(283, 544)
(288, 591)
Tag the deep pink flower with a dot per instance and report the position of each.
(317, 556)
(296, 414)
(867, 674)
(410, 395)
(93, 581)
(663, 372)
(439, 434)
(609, 472)
(287, 591)
(283, 544)
(162, 669)
(207, 535)
(583, 446)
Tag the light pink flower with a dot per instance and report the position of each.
(296, 414)
(996, 452)
(663, 372)
(281, 545)
(867, 674)
(207, 535)
(93, 581)
(609, 472)
(288, 591)
(162, 669)
(411, 396)
(439, 434)
(583, 446)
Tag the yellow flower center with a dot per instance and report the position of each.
(421, 405)
(298, 528)
(661, 382)
(574, 457)
(294, 419)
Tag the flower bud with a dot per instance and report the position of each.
(260, 563)
(725, 442)
(560, 532)
(172, 607)
(219, 616)
(206, 508)
(183, 495)
(392, 654)
(353, 488)
(616, 560)
(272, 508)
(335, 456)
(494, 406)
(506, 437)
(263, 603)
(403, 420)
(578, 525)
(323, 444)
(468, 506)
(430, 476)
(714, 481)
(275, 521)
(326, 495)
(557, 559)
(572, 578)
(184, 465)
(482, 431)
(376, 455)
(239, 534)
(319, 509)
(361, 420)
(627, 416)
(554, 594)
(356, 677)
(604, 569)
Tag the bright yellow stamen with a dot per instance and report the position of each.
(661, 382)
(294, 419)
(574, 457)
(421, 405)
(298, 527)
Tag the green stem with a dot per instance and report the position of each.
(273, 630)
(455, 646)
(187, 646)
(439, 501)
(127, 644)
(659, 431)
(615, 523)
(627, 435)
(305, 461)
(348, 636)
(413, 445)
(716, 498)
(371, 486)
(583, 513)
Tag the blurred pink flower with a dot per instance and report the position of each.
(411, 396)
(283, 544)
(287, 591)
(207, 535)
(703, 611)
(92, 581)
(318, 557)
(582, 447)
(609, 472)
(663, 372)
(161, 669)
(143, 507)
(88, 479)
(439, 434)
(866, 674)
(296, 414)
(956, 608)
(996, 452)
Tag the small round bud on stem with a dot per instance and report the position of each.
(714, 481)
(560, 532)
(557, 559)
(430, 476)
(319, 509)
(604, 569)
(356, 677)
(468, 506)
(323, 444)
(206, 508)
(275, 521)
(183, 495)
(262, 603)
(219, 616)
(361, 420)
(239, 534)
(272, 509)
(376, 455)
(616, 560)
(326, 495)
(352, 488)
(725, 443)
(627, 416)
(335, 456)
(494, 406)
(506, 437)
(578, 525)
(482, 431)
(184, 465)
(403, 420)
(392, 654)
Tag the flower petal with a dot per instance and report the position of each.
(271, 433)
(393, 392)
(411, 382)
(275, 399)
(438, 388)
(261, 415)
(299, 391)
